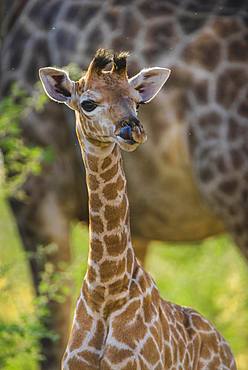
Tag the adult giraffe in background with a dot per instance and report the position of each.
(198, 150)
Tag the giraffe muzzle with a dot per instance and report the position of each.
(131, 131)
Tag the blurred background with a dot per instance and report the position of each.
(180, 226)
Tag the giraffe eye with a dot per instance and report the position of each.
(88, 105)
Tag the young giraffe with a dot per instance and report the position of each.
(121, 322)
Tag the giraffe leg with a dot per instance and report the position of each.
(141, 248)
(44, 225)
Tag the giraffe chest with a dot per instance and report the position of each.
(144, 333)
(140, 335)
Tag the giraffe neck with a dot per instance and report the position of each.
(111, 258)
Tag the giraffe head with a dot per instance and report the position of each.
(106, 101)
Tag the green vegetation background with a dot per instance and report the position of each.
(210, 276)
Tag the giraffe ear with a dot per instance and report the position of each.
(56, 84)
(148, 82)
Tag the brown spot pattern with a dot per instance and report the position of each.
(160, 35)
(221, 164)
(147, 307)
(93, 183)
(110, 191)
(109, 174)
(189, 23)
(237, 158)
(75, 364)
(106, 162)
(85, 322)
(95, 202)
(150, 351)
(200, 89)
(109, 269)
(116, 355)
(243, 107)
(206, 174)
(229, 186)
(96, 224)
(118, 285)
(205, 51)
(211, 118)
(96, 250)
(94, 297)
(115, 244)
(225, 27)
(229, 84)
(235, 130)
(91, 274)
(92, 162)
(115, 215)
(238, 50)
(130, 326)
(90, 357)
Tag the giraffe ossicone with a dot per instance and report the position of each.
(121, 322)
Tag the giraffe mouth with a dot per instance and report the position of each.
(131, 133)
(126, 135)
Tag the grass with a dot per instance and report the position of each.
(211, 277)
